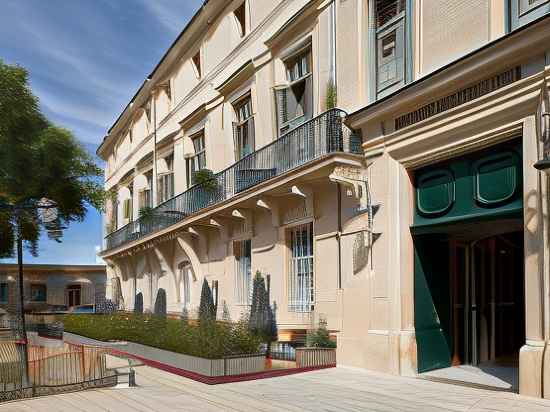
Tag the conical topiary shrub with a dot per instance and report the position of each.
(138, 305)
(207, 309)
(160, 303)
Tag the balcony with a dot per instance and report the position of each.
(314, 139)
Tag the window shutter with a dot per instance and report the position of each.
(126, 209)
(251, 134)
(236, 140)
(281, 97)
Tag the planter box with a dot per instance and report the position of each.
(228, 366)
(313, 357)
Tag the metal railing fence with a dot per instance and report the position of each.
(314, 139)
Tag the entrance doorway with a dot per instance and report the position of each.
(487, 300)
(73, 295)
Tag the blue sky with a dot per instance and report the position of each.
(86, 60)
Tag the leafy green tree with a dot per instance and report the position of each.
(39, 162)
(207, 309)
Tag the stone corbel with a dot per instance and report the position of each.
(223, 225)
(246, 216)
(353, 178)
(305, 192)
(271, 205)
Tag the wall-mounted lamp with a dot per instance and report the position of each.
(543, 128)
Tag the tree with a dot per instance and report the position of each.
(39, 164)
(262, 320)
(207, 309)
(320, 337)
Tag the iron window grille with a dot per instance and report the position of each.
(243, 269)
(301, 290)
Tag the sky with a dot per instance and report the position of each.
(86, 59)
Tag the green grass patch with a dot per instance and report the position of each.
(213, 340)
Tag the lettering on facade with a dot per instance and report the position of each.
(458, 98)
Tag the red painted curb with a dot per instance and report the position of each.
(217, 380)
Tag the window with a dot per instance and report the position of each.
(242, 251)
(197, 64)
(73, 295)
(390, 44)
(145, 198)
(3, 292)
(240, 17)
(166, 180)
(198, 161)
(295, 102)
(300, 283)
(38, 293)
(525, 11)
(243, 129)
(114, 216)
(185, 284)
(128, 204)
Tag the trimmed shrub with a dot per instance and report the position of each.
(138, 305)
(212, 340)
(160, 303)
(207, 309)
(320, 337)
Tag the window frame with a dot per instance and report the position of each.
(300, 297)
(166, 186)
(194, 163)
(243, 271)
(243, 128)
(39, 285)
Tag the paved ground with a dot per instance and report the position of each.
(335, 389)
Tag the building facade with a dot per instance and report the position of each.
(51, 287)
(393, 224)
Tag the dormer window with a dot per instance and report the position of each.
(240, 17)
(197, 64)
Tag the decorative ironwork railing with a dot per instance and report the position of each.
(51, 370)
(314, 139)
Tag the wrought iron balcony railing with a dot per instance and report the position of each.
(314, 139)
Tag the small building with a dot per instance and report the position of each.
(52, 287)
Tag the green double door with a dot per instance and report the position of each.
(469, 306)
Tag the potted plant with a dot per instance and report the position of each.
(206, 179)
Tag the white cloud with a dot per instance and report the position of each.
(172, 16)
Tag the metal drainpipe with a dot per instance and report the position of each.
(339, 235)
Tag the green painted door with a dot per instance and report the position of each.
(432, 302)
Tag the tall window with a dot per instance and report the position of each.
(185, 284)
(38, 293)
(3, 292)
(198, 161)
(128, 204)
(243, 270)
(390, 45)
(240, 17)
(301, 291)
(145, 197)
(166, 180)
(243, 129)
(295, 102)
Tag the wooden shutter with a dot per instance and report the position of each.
(236, 140)
(251, 134)
(281, 100)
(126, 209)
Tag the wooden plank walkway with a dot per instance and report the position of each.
(335, 389)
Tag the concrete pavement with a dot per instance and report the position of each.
(336, 389)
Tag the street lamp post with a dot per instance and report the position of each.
(48, 216)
